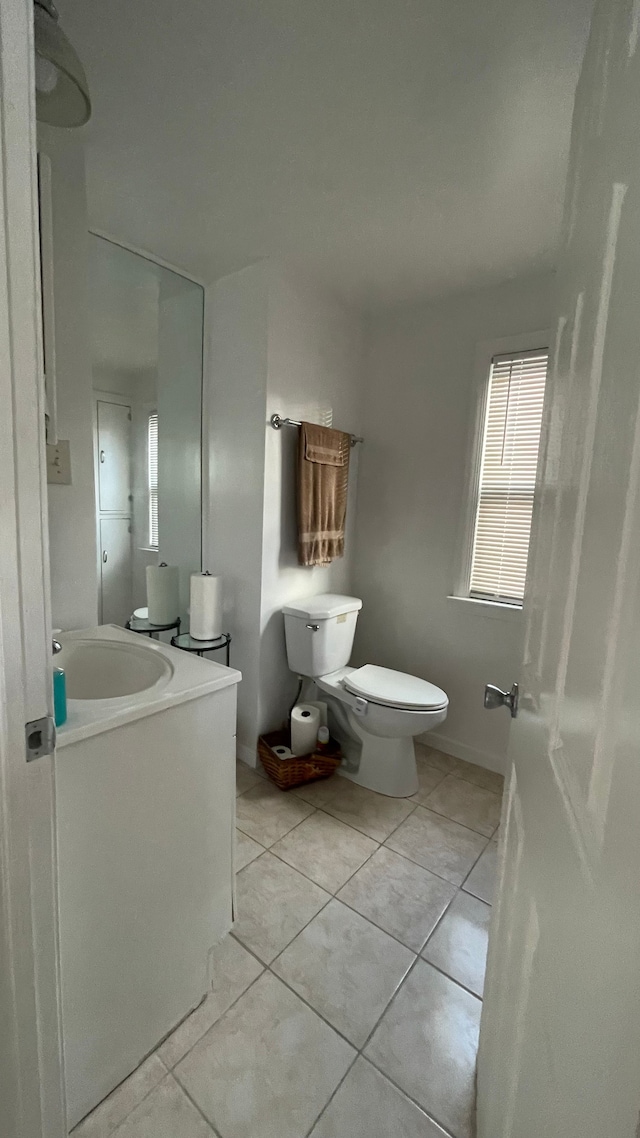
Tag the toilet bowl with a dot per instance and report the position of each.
(374, 712)
(382, 732)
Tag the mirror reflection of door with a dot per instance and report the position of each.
(115, 570)
(146, 345)
(115, 509)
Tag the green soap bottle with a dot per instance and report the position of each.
(59, 690)
(59, 696)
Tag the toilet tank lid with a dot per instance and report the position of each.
(323, 606)
(395, 689)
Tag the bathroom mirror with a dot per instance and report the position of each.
(146, 335)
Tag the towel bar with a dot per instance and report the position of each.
(277, 422)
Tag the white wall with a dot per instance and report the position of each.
(314, 373)
(179, 401)
(276, 344)
(419, 401)
(237, 327)
(72, 525)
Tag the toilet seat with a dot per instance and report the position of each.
(389, 688)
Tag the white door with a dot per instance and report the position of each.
(116, 570)
(114, 457)
(31, 1092)
(560, 1039)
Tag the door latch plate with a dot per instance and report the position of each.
(40, 737)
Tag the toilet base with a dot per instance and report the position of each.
(393, 773)
(387, 766)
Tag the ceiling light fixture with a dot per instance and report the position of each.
(62, 91)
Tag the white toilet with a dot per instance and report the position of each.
(374, 712)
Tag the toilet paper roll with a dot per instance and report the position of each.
(163, 599)
(283, 752)
(305, 721)
(323, 709)
(205, 616)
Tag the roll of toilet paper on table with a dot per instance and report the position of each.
(305, 721)
(205, 612)
(163, 593)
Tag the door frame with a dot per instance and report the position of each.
(31, 1083)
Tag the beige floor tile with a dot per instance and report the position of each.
(113, 1110)
(373, 814)
(435, 758)
(346, 968)
(399, 896)
(482, 879)
(233, 969)
(428, 778)
(325, 850)
(438, 844)
(166, 1113)
(246, 850)
(427, 1043)
(274, 903)
(367, 1105)
(459, 944)
(318, 792)
(267, 814)
(463, 802)
(267, 1068)
(490, 780)
(246, 777)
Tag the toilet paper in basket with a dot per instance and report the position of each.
(305, 721)
(282, 752)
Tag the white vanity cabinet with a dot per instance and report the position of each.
(145, 826)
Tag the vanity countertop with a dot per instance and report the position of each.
(190, 677)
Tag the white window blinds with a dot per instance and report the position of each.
(508, 476)
(152, 467)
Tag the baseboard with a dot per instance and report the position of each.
(462, 751)
(248, 755)
(459, 750)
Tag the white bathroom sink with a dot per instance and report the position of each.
(115, 677)
(109, 669)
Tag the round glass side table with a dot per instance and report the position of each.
(188, 644)
(143, 625)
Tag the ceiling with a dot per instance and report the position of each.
(391, 148)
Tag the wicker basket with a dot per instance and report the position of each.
(287, 773)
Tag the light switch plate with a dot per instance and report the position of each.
(59, 463)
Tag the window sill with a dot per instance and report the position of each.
(493, 609)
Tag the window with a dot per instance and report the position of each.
(152, 478)
(510, 443)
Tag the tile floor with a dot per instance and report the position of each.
(347, 1000)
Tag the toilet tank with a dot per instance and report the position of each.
(319, 632)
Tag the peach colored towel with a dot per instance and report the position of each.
(323, 481)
